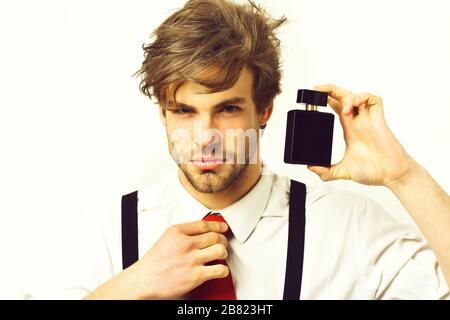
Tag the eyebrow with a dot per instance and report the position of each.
(233, 100)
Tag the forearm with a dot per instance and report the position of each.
(429, 206)
(119, 287)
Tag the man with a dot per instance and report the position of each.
(214, 66)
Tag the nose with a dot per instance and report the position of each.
(206, 138)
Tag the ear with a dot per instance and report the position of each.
(265, 116)
(162, 115)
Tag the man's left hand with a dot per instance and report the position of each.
(373, 155)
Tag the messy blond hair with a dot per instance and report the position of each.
(209, 42)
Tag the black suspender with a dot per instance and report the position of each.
(296, 241)
(130, 248)
(296, 237)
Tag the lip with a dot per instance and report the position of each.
(207, 163)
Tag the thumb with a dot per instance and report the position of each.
(327, 173)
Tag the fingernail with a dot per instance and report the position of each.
(347, 111)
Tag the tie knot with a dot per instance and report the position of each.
(214, 216)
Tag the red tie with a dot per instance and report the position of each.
(215, 289)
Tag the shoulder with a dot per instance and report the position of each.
(157, 194)
(327, 201)
(106, 219)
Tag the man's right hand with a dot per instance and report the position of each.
(173, 266)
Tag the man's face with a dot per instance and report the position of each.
(213, 137)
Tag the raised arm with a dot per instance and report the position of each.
(374, 156)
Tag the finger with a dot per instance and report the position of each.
(339, 109)
(347, 105)
(322, 172)
(200, 227)
(215, 271)
(359, 101)
(334, 91)
(360, 98)
(368, 98)
(363, 101)
(335, 105)
(350, 103)
(214, 252)
(209, 239)
(334, 172)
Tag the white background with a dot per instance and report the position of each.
(76, 132)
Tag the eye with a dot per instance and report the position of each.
(230, 109)
(180, 111)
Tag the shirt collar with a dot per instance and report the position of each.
(185, 207)
(241, 216)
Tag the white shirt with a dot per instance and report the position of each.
(353, 248)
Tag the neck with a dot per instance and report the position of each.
(219, 200)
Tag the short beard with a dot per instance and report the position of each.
(209, 181)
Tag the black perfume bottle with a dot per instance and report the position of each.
(309, 133)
